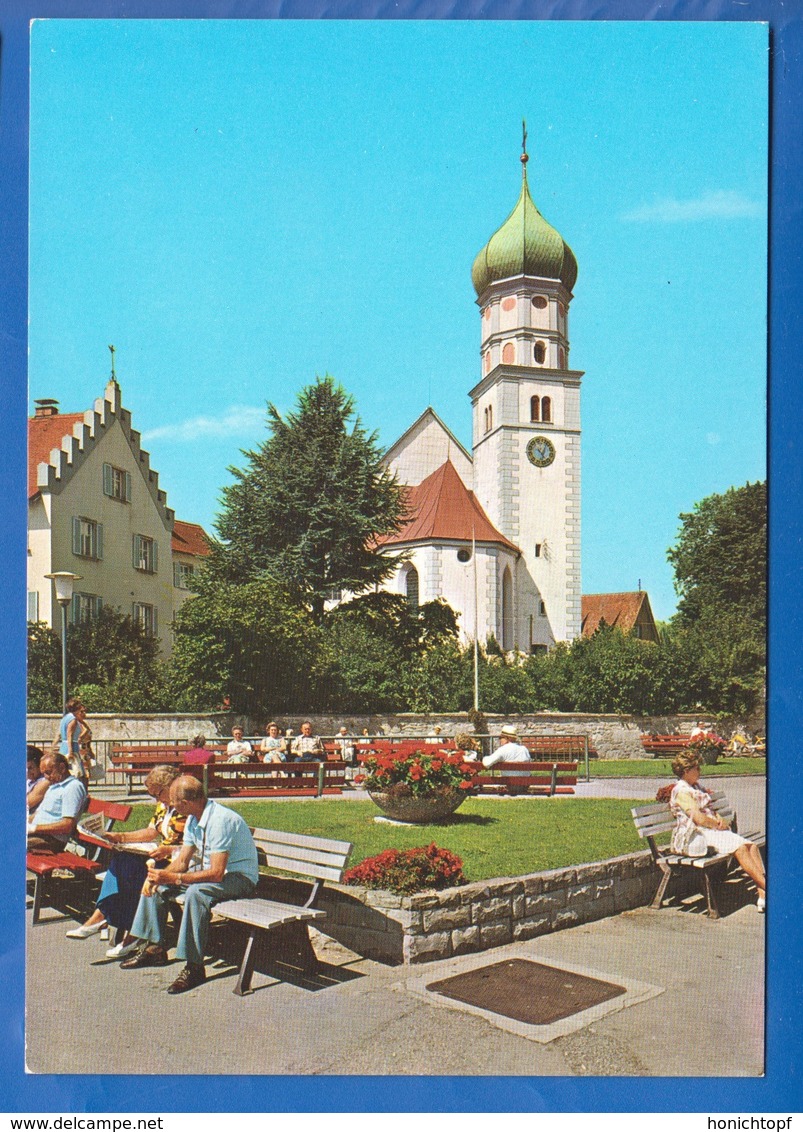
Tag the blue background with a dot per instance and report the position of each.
(779, 1091)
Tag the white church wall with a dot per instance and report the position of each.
(425, 449)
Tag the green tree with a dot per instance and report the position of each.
(310, 504)
(249, 640)
(720, 563)
(112, 664)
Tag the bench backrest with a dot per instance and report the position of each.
(657, 818)
(302, 854)
(112, 811)
(555, 744)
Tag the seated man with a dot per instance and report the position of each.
(54, 822)
(239, 749)
(307, 747)
(509, 751)
(219, 847)
(344, 745)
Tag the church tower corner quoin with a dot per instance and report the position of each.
(526, 425)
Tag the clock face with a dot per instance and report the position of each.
(540, 451)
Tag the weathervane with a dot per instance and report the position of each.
(524, 157)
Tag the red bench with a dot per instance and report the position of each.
(542, 778)
(83, 869)
(664, 745)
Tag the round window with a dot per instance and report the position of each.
(464, 554)
(508, 304)
(539, 301)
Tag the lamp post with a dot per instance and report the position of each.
(64, 582)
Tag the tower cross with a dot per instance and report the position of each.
(112, 351)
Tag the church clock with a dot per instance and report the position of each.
(540, 451)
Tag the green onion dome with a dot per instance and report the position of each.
(524, 245)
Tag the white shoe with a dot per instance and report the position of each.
(121, 950)
(761, 904)
(86, 930)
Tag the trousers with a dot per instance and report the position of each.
(150, 919)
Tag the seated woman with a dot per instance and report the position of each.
(37, 784)
(120, 891)
(699, 827)
(272, 747)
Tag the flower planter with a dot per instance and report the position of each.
(421, 809)
(710, 756)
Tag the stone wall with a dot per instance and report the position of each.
(613, 736)
(475, 917)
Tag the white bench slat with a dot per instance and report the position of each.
(295, 855)
(305, 868)
(266, 913)
(304, 841)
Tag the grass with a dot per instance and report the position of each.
(662, 768)
(493, 837)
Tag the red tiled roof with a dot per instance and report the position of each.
(620, 610)
(190, 538)
(442, 507)
(44, 434)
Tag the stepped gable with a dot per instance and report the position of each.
(190, 538)
(59, 443)
(442, 507)
(618, 610)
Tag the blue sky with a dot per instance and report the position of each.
(239, 206)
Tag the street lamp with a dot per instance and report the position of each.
(64, 582)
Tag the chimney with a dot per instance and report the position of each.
(46, 407)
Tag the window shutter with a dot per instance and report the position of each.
(33, 605)
(98, 606)
(176, 576)
(99, 540)
(76, 535)
(128, 487)
(154, 624)
(74, 615)
(155, 557)
(108, 487)
(135, 551)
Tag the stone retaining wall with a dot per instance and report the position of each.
(475, 917)
(613, 736)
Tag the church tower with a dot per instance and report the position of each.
(526, 425)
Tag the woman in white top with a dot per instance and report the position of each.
(700, 827)
(272, 747)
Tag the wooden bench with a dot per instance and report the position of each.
(83, 869)
(664, 745)
(654, 820)
(544, 778)
(314, 858)
(262, 780)
(401, 748)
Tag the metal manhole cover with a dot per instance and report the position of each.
(527, 991)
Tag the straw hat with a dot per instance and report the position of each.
(510, 731)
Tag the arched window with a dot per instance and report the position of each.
(562, 358)
(486, 314)
(509, 353)
(490, 417)
(507, 610)
(539, 352)
(487, 361)
(535, 408)
(546, 409)
(411, 588)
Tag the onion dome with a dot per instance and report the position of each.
(525, 245)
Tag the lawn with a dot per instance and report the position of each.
(662, 768)
(494, 837)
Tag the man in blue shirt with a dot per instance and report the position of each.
(217, 861)
(54, 822)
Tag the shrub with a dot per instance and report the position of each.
(408, 870)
